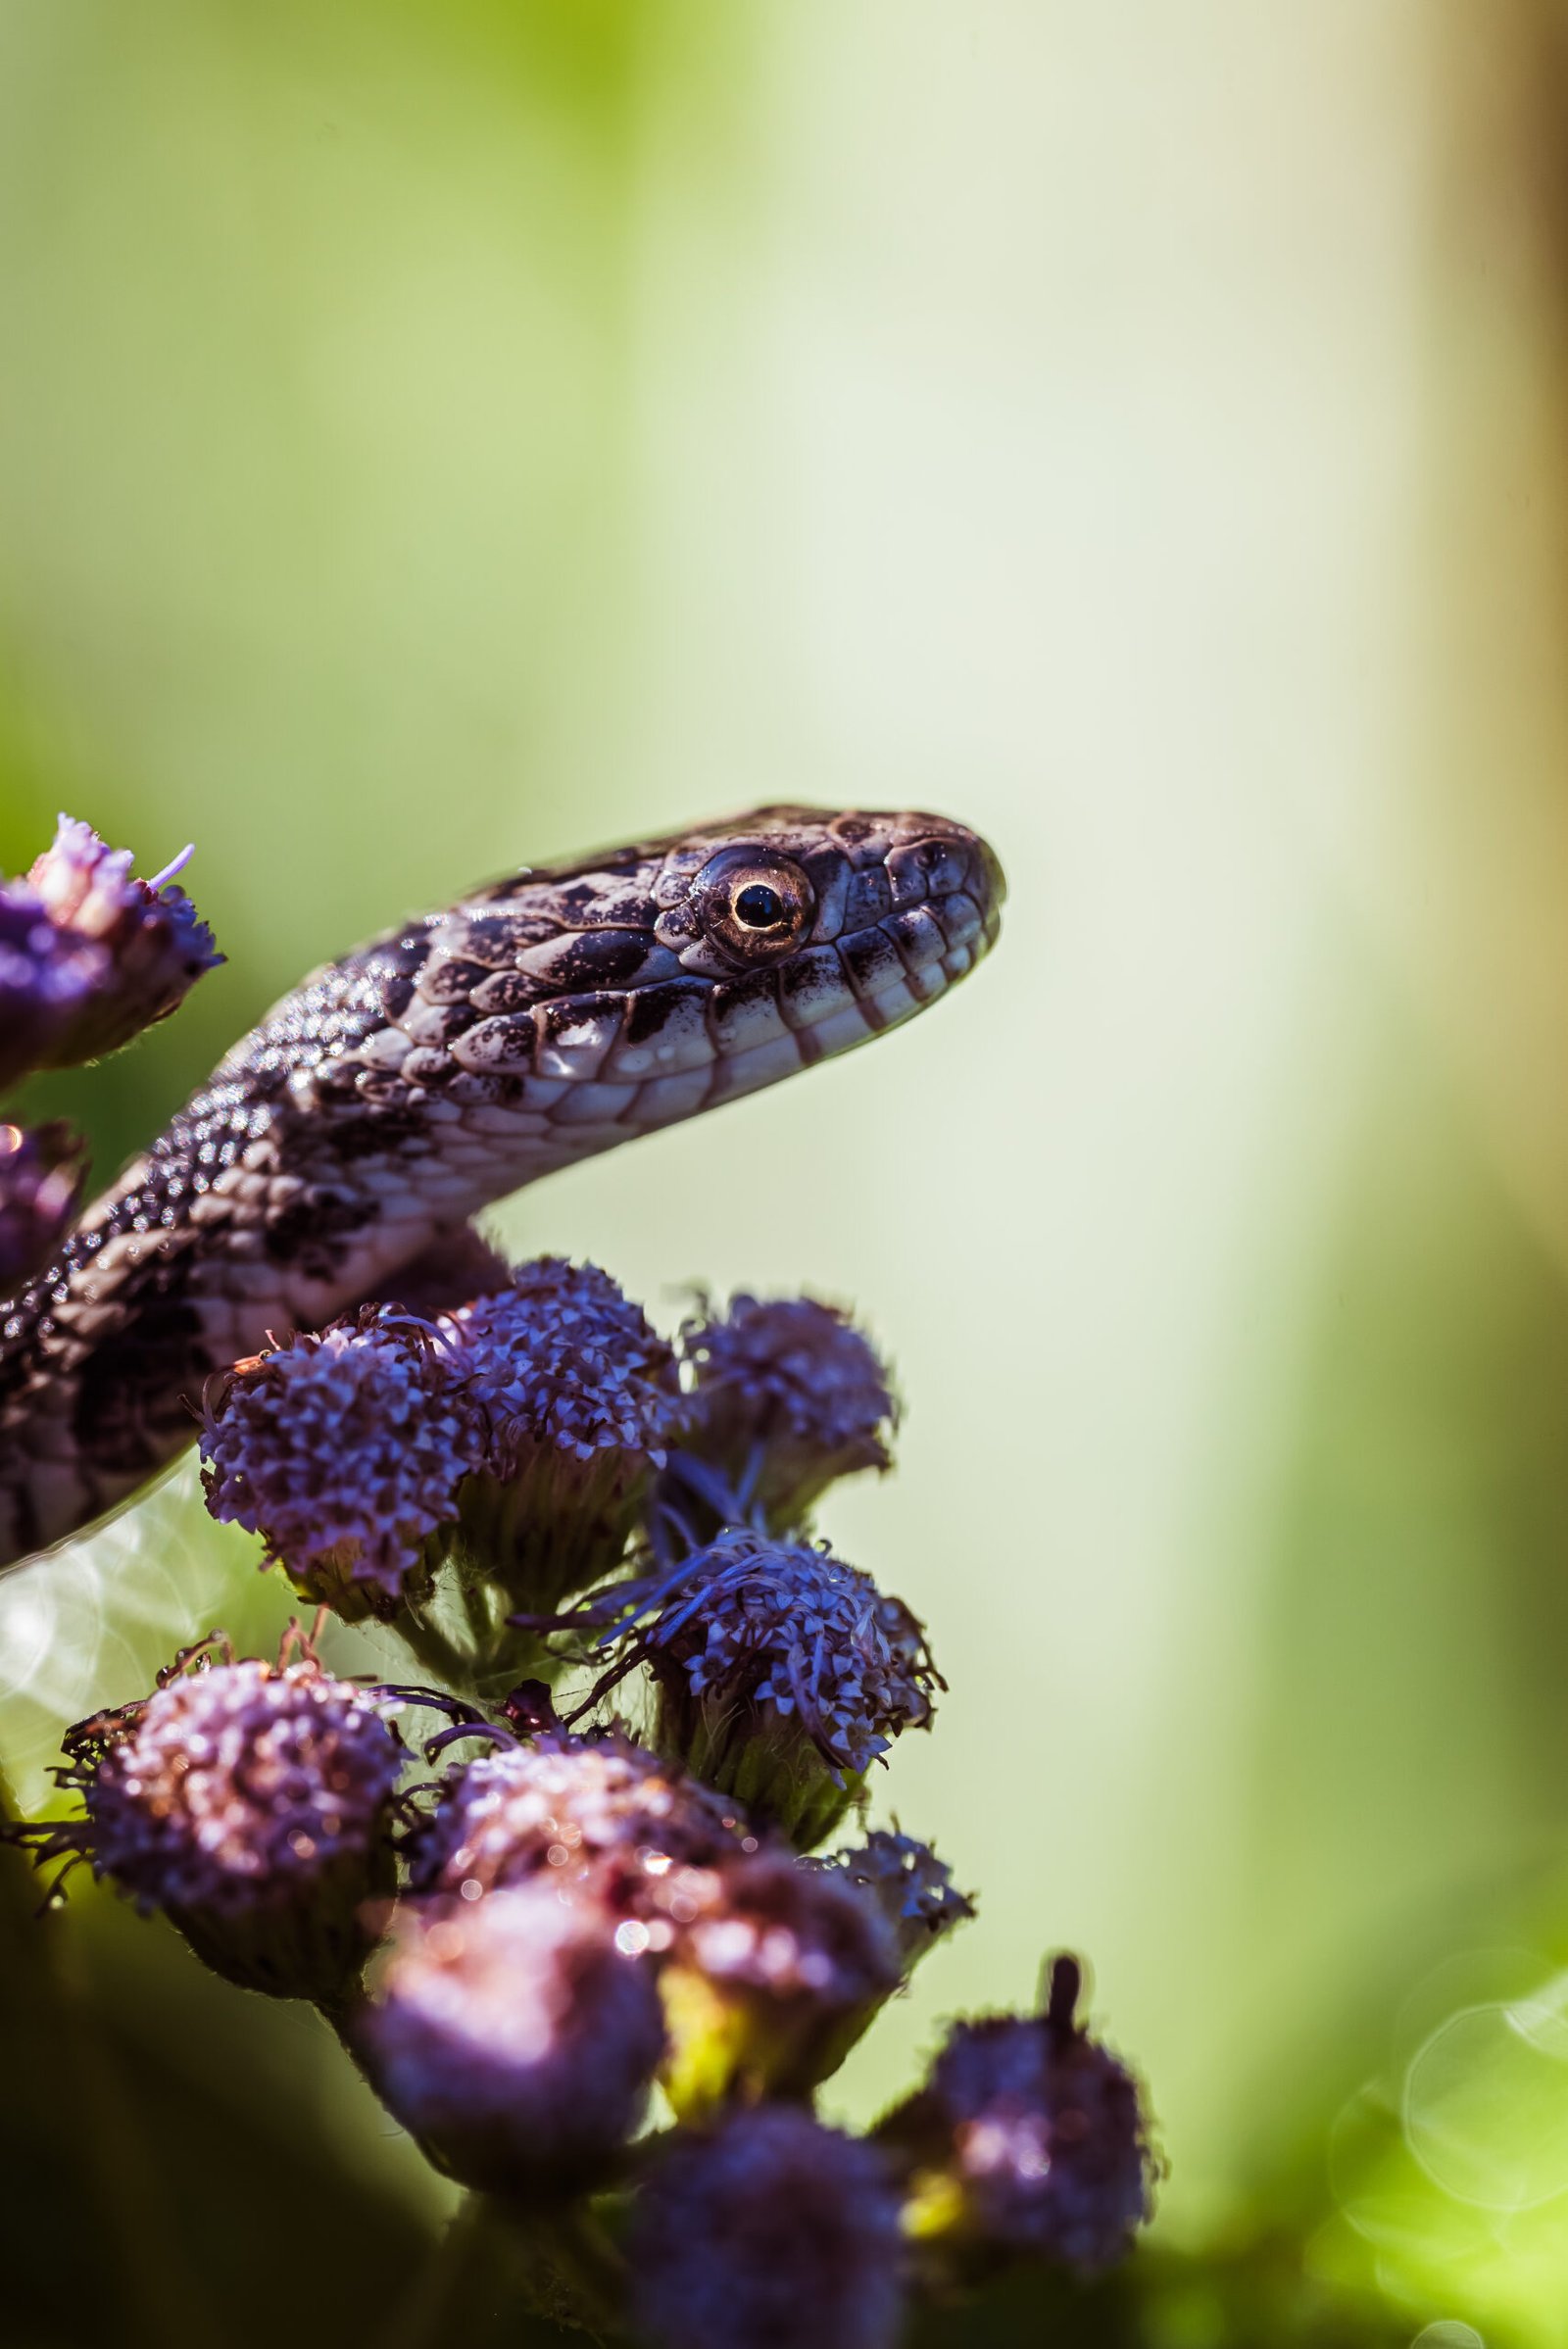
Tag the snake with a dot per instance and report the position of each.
(544, 1018)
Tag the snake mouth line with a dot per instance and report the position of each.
(799, 1038)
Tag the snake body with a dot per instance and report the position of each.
(544, 1018)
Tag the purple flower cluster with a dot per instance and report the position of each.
(518, 1950)
(782, 1673)
(512, 2038)
(90, 956)
(562, 1358)
(600, 1808)
(1030, 2137)
(233, 1786)
(344, 1450)
(250, 1803)
(770, 2233)
(912, 1888)
(787, 1396)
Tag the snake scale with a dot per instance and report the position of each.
(544, 1018)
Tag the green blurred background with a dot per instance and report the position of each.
(433, 437)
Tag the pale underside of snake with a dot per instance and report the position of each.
(546, 1017)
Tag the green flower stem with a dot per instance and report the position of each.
(557, 2265)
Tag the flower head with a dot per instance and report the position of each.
(47, 979)
(249, 1802)
(768, 2232)
(782, 1673)
(110, 953)
(41, 1173)
(774, 1971)
(1029, 2138)
(572, 1810)
(913, 1889)
(576, 1395)
(512, 2038)
(345, 1451)
(788, 1395)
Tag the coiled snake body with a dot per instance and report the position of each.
(544, 1018)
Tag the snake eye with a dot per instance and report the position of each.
(755, 907)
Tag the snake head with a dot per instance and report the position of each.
(656, 980)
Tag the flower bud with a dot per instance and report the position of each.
(768, 2232)
(776, 1968)
(787, 1395)
(344, 1450)
(575, 1810)
(250, 1803)
(109, 955)
(913, 1889)
(578, 1396)
(46, 976)
(512, 2039)
(1029, 2138)
(781, 1672)
(41, 1174)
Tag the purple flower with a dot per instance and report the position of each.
(1030, 2137)
(601, 1812)
(344, 1450)
(577, 1397)
(913, 1889)
(47, 979)
(41, 1174)
(770, 2233)
(774, 1970)
(782, 1672)
(512, 2038)
(788, 1395)
(90, 956)
(250, 1803)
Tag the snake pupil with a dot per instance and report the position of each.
(759, 906)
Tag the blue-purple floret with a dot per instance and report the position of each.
(770, 2230)
(751, 1622)
(1046, 2137)
(512, 2038)
(344, 1450)
(237, 1788)
(561, 1357)
(89, 954)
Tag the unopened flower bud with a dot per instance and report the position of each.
(782, 1674)
(787, 1395)
(913, 1889)
(250, 1803)
(1029, 2138)
(769, 2233)
(512, 2039)
(578, 1396)
(344, 1450)
(572, 1810)
(41, 1174)
(774, 1971)
(110, 953)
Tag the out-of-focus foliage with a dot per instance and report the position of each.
(435, 437)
